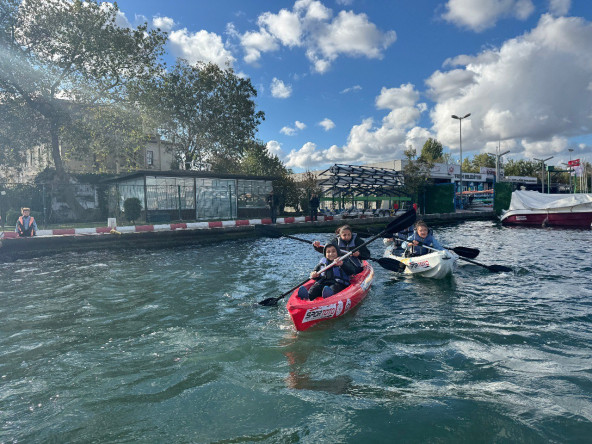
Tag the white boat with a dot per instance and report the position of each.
(436, 265)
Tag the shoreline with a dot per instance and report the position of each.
(169, 235)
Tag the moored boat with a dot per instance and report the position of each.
(532, 208)
(435, 265)
(305, 314)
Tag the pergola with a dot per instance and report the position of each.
(351, 181)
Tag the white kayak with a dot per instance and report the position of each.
(435, 265)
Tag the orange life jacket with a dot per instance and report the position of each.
(22, 231)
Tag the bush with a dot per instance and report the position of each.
(132, 208)
(11, 217)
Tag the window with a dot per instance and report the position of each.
(149, 157)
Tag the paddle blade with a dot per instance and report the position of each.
(269, 302)
(391, 264)
(498, 269)
(471, 253)
(400, 223)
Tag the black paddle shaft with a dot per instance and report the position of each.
(471, 253)
(385, 262)
(492, 268)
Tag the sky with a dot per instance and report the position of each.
(360, 81)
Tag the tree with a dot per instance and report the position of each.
(431, 152)
(485, 160)
(416, 173)
(61, 61)
(206, 112)
(522, 168)
(258, 161)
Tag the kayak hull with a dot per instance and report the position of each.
(435, 265)
(305, 314)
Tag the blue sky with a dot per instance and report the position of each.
(359, 81)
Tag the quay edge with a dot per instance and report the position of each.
(146, 236)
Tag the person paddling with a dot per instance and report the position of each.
(420, 236)
(330, 281)
(346, 240)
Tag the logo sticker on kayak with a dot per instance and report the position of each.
(420, 264)
(326, 311)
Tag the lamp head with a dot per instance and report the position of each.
(455, 117)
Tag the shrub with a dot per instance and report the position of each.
(11, 217)
(132, 208)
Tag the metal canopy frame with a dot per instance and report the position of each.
(353, 181)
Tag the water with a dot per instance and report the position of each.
(170, 346)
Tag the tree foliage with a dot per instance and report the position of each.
(431, 152)
(60, 62)
(416, 173)
(206, 112)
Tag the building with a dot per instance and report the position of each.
(156, 155)
(191, 195)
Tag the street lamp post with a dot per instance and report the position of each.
(570, 168)
(543, 172)
(460, 119)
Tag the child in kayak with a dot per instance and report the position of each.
(346, 240)
(330, 281)
(420, 236)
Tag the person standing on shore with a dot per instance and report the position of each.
(26, 225)
(272, 202)
(314, 203)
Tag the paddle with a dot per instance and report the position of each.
(398, 224)
(384, 262)
(471, 253)
(492, 268)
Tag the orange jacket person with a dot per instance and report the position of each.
(26, 225)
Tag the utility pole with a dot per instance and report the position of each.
(543, 172)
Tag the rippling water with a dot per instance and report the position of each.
(170, 346)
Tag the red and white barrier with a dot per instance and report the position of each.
(167, 227)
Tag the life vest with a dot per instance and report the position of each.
(349, 246)
(22, 231)
(420, 250)
(339, 275)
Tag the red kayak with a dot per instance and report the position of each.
(305, 314)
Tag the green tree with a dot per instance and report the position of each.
(482, 160)
(61, 60)
(431, 152)
(416, 174)
(206, 112)
(522, 168)
(258, 161)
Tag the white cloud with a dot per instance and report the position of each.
(291, 131)
(533, 94)
(274, 148)
(479, 15)
(254, 43)
(559, 7)
(284, 26)
(201, 46)
(354, 88)
(327, 124)
(164, 23)
(279, 89)
(311, 25)
(533, 89)
(368, 142)
(392, 98)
